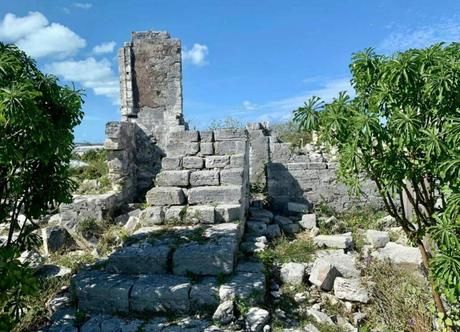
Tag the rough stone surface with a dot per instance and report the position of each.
(56, 239)
(160, 196)
(204, 178)
(228, 212)
(308, 221)
(225, 312)
(342, 241)
(214, 195)
(400, 254)
(173, 179)
(217, 161)
(323, 274)
(350, 290)
(204, 214)
(204, 295)
(143, 259)
(232, 176)
(378, 239)
(292, 273)
(344, 263)
(171, 163)
(193, 162)
(256, 318)
(161, 293)
(273, 231)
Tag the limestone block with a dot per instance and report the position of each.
(193, 162)
(292, 273)
(232, 176)
(399, 254)
(378, 239)
(144, 259)
(57, 239)
(229, 147)
(206, 149)
(217, 161)
(184, 136)
(341, 241)
(102, 292)
(229, 134)
(171, 163)
(173, 179)
(228, 212)
(225, 312)
(320, 316)
(256, 318)
(161, 293)
(323, 274)
(206, 136)
(344, 263)
(260, 214)
(250, 286)
(237, 161)
(204, 295)
(204, 178)
(175, 213)
(205, 259)
(153, 215)
(214, 195)
(203, 214)
(273, 231)
(351, 290)
(182, 149)
(113, 144)
(112, 129)
(308, 221)
(163, 196)
(256, 227)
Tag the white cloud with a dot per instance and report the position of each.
(83, 5)
(406, 38)
(104, 48)
(91, 74)
(249, 106)
(34, 35)
(196, 55)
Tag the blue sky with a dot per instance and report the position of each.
(250, 59)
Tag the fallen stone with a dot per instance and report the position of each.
(319, 316)
(323, 274)
(229, 147)
(251, 247)
(53, 271)
(164, 196)
(292, 273)
(350, 290)
(225, 312)
(206, 149)
(377, 239)
(399, 254)
(308, 221)
(250, 286)
(256, 227)
(344, 263)
(57, 239)
(256, 318)
(230, 134)
(342, 241)
(291, 229)
(132, 223)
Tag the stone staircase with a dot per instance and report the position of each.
(183, 259)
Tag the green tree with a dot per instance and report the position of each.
(402, 130)
(37, 117)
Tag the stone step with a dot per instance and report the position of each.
(103, 292)
(197, 250)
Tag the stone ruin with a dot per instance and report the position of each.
(200, 183)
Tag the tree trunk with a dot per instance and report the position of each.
(436, 297)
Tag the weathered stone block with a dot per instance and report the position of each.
(256, 318)
(298, 208)
(204, 295)
(204, 214)
(273, 231)
(231, 176)
(102, 292)
(256, 227)
(144, 259)
(175, 213)
(206, 149)
(193, 162)
(308, 221)
(228, 212)
(161, 293)
(229, 147)
(112, 129)
(245, 285)
(229, 134)
(207, 136)
(204, 178)
(184, 136)
(113, 144)
(173, 179)
(171, 163)
(57, 238)
(163, 196)
(378, 239)
(182, 149)
(237, 161)
(323, 274)
(214, 195)
(341, 241)
(292, 273)
(217, 161)
(153, 215)
(350, 290)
